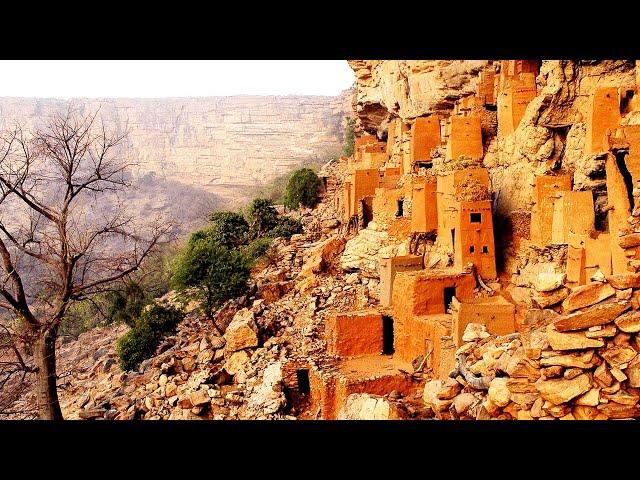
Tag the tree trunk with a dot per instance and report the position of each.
(46, 388)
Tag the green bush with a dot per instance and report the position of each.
(256, 249)
(136, 345)
(230, 228)
(141, 341)
(216, 272)
(303, 189)
(286, 227)
(126, 304)
(262, 217)
(349, 138)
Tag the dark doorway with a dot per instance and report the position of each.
(453, 238)
(626, 175)
(387, 335)
(367, 211)
(449, 293)
(400, 212)
(625, 102)
(304, 386)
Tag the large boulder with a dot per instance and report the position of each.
(587, 295)
(319, 257)
(242, 332)
(235, 363)
(363, 406)
(590, 317)
(267, 398)
(623, 281)
(570, 341)
(498, 392)
(561, 390)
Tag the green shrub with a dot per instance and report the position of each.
(286, 227)
(256, 249)
(126, 304)
(262, 217)
(215, 272)
(141, 341)
(229, 228)
(349, 138)
(136, 345)
(303, 189)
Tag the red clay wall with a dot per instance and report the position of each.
(617, 197)
(545, 193)
(389, 267)
(604, 115)
(424, 210)
(354, 334)
(573, 212)
(474, 241)
(497, 314)
(422, 293)
(425, 135)
(486, 87)
(465, 138)
(347, 203)
(323, 393)
(329, 392)
(364, 184)
(360, 143)
(632, 134)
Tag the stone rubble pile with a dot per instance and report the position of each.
(231, 367)
(581, 364)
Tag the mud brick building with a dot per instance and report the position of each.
(478, 222)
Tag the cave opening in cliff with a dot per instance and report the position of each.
(560, 134)
(449, 293)
(387, 335)
(600, 202)
(626, 175)
(625, 101)
(304, 385)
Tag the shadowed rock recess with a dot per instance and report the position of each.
(476, 258)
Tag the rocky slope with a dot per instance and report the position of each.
(199, 373)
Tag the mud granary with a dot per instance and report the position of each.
(492, 206)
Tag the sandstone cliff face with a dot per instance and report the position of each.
(220, 144)
(549, 138)
(410, 88)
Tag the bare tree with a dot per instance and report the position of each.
(64, 236)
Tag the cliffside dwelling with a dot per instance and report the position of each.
(427, 188)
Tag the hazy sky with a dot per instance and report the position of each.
(171, 78)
